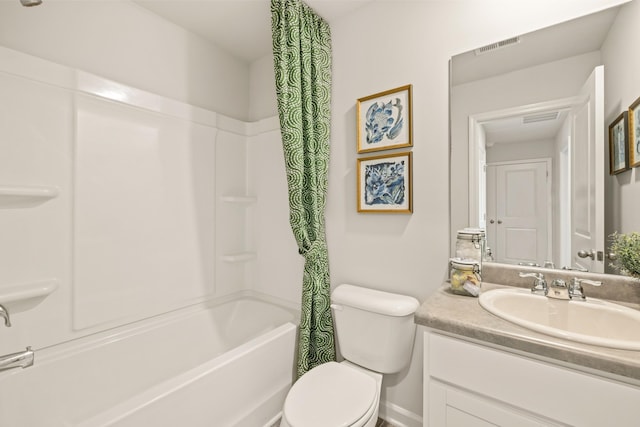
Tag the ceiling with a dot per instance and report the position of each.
(571, 38)
(575, 37)
(241, 27)
(515, 129)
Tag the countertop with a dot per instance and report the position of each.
(463, 316)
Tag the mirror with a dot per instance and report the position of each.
(529, 159)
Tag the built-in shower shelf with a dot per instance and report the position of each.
(12, 197)
(239, 257)
(245, 200)
(26, 295)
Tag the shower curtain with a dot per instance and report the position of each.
(302, 63)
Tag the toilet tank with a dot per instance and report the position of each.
(374, 329)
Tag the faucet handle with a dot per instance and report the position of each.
(540, 284)
(575, 287)
(586, 281)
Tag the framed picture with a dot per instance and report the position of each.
(384, 120)
(384, 183)
(634, 134)
(618, 143)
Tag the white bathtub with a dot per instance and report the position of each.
(223, 364)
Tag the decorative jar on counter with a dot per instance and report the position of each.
(465, 277)
(466, 267)
(470, 244)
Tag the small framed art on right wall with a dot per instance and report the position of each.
(634, 134)
(618, 144)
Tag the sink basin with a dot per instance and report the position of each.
(593, 321)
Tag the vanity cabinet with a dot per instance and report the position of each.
(467, 384)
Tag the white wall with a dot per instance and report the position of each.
(504, 152)
(622, 87)
(262, 89)
(124, 42)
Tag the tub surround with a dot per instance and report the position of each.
(179, 175)
(463, 316)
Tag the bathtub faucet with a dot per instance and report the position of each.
(21, 359)
(5, 315)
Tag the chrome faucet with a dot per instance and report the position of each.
(575, 287)
(558, 289)
(5, 315)
(21, 359)
(539, 285)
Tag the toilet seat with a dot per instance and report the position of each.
(331, 394)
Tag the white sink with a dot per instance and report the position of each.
(593, 321)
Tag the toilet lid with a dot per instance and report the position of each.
(330, 395)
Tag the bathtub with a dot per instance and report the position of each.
(224, 363)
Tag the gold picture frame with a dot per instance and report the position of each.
(634, 134)
(384, 120)
(385, 183)
(618, 144)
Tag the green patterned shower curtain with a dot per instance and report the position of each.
(302, 62)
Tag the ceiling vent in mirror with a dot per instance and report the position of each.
(497, 45)
(541, 117)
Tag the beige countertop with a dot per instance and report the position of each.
(463, 316)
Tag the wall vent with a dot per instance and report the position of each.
(542, 117)
(498, 45)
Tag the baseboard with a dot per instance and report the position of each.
(398, 416)
(275, 421)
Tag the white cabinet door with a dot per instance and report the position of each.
(454, 407)
(471, 384)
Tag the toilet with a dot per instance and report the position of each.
(375, 334)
